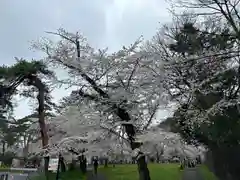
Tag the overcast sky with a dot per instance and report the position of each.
(106, 23)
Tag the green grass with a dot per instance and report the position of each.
(69, 175)
(207, 174)
(129, 172)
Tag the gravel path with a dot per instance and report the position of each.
(192, 174)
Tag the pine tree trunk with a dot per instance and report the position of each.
(35, 81)
(43, 128)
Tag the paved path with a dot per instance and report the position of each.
(92, 176)
(15, 176)
(192, 174)
(99, 176)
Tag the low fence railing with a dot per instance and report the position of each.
(11, 173)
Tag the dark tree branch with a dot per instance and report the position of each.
(132, 73)
(111, 130)
(151, 117)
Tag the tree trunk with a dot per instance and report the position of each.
(46, 162)
(120, 112)
(62, 164)
(141, 162)
(158, 158)
(72, 165)
(106, 163)
(43, 128)
(35, 81)
(141, 158)
(83, 164)
(142, 168)
(3, 147)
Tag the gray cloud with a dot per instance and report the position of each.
(27, 20)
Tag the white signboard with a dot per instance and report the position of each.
(53, 164)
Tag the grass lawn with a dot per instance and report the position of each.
(69, 175)
(208, 175)
(129, 172)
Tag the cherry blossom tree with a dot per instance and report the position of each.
(79, 128)
(80, 131)
(168, 141)
(120, 84)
